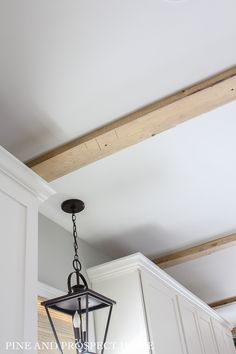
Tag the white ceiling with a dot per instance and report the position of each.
(69, 66)
(171, 191)
(228, 312)
(166, 193)
(212, 277)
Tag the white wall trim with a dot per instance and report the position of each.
(138, 261)
(19, 172)
(48, 292)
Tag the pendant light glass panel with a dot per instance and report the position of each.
(65, 334)
(77, 336)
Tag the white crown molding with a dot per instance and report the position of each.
(19, 172)
(48, 292)
(139, 262)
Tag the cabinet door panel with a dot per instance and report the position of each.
(223, 339)
(207, 334)
(220, 340)
(229, 342)
(163, 318)
(127, 330)
(190, 326)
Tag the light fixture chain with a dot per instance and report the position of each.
(76, 262)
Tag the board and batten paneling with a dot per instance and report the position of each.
(12, 269)
(21, 190)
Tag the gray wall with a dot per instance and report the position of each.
(56, 254)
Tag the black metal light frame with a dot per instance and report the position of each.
(80, 298)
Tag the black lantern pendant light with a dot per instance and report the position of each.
(80, 300)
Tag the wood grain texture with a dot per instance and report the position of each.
(63, 327)
(137, 126)
(229, 301)
(192, 253)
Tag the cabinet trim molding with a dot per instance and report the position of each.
(19, 172)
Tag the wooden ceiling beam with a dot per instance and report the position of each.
(196, 252)
(137, 126)
(229, 301)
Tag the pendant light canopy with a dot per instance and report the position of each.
(80, 300)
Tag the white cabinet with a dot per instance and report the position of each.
(223, 338)
(154, 313)
(20, 191)
(124, 337)
(165, 333)
(190, 326)
(207, 333)
(229, 343)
